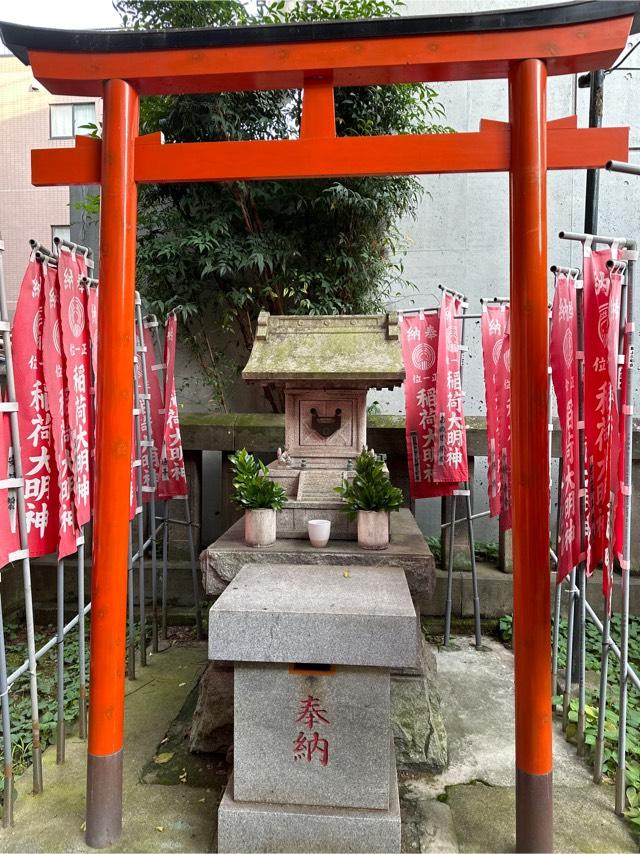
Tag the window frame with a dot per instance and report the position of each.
(73, 105)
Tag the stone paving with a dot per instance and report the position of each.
(471, 806)
(171, 805)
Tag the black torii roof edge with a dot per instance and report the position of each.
(20, 39)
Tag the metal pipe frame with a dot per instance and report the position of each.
(150, 542)
(632, 255)
(5, 328)
(618, 166)
(139, 518)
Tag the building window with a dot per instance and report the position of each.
(61, 231)
(67, 120)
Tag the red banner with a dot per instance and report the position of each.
(155, 401)
(503, 387)
(618, 532)
(9, 533)
(58, 392)
(601, 328)
(419, 339)
(76, 348)
(34, 417)
(173, 480)
(451, 464)
(564, 372)
(493, 326)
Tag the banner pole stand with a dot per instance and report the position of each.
(60, 728)
(7, 743)
(5, 329)
(131, 640)
(453, 505)
(194, 569)
(630, 254)
(150, 448)
(139, 517)
(82, 719)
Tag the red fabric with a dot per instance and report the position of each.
(503, 387)
(451, 464)
(55, 378)
(155, 402)
(419, 339)
(493, 326)
(599, 300)
(173, 480)
(77, 352)
(9, 533)
(564, 371)
(618, 532)
(34, 417)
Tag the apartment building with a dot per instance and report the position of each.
(32, 118)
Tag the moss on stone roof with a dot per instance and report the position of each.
(346, 348)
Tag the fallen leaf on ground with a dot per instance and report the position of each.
(161, 758)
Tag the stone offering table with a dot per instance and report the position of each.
(313, 646)
(221, 561)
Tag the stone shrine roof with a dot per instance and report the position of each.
(362, 349)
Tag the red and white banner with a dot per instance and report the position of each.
(173, 480)
(493, 326)
(9, 532)
(77, 352)
(602, 441)
(450, 464)
(34, 417)
(155, 401)
(618, 529)
(564, 372)
(419, 339)
(503, 388)
(58, 393)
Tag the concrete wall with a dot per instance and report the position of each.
(460, 236)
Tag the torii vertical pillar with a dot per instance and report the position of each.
(530, 466)
(113, 464)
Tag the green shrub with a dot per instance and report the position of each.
(253, 489)
(370, 489)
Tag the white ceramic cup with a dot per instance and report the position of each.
(319, 532)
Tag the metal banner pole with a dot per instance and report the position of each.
(139, 517)
(5, 329)
(194, 569)
(131, 637)
(151, 489)
(630, 254)
(7, 744)
(82, 721)
(60, 729)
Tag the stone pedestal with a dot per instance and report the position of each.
(313, 646)
(222, 560)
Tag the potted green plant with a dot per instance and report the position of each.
(259, 496)
(369, 496)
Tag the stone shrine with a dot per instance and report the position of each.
(314, 764)
(326, 365)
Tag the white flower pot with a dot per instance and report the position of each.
(373, 529)
(260, 527)
(319, 532)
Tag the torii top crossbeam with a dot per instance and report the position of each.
(523, 46)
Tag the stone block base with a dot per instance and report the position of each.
(250, 827)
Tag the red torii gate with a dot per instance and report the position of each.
(524, 46)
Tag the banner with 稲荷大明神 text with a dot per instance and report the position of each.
(419, 340)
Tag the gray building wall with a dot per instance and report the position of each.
(460, 236)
